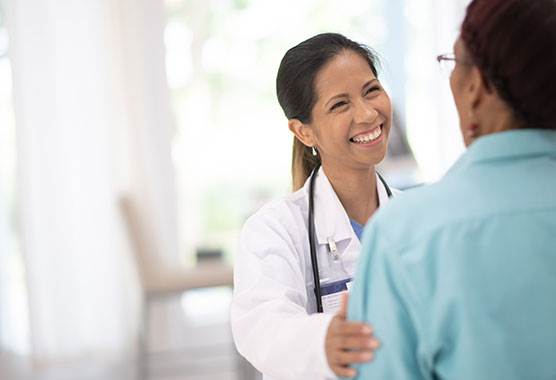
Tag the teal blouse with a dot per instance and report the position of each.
(458, 278)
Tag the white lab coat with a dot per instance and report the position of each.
(273, 312)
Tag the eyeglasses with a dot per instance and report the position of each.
(448, 62)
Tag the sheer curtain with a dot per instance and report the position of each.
(12, 306)
(432, 121)
(93, 123)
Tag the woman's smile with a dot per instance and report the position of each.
(368, 138)
(352, 116)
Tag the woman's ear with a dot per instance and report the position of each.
(303, 132)
(477, 88)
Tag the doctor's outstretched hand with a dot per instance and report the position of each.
(348, 343)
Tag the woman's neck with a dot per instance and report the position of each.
(495, 116)
(356, 189)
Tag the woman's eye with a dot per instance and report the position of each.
(372, 89)
(339, 104)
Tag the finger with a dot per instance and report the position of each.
(343, 307)
(355, 342)
(342, 371)
(353, 357)
(351, 328)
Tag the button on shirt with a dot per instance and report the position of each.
(458, 278)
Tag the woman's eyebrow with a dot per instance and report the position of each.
(335, 97)
(369, 83)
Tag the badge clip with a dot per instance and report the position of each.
(333, 248)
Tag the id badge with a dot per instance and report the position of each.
(332, 295)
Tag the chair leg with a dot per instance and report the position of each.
(143, 349)
(245, 370)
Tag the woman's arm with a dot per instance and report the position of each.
(270, 324)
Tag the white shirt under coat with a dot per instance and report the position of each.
(273, 313)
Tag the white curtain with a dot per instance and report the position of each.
(5, 249)
(8, 327)
(93, 122)
(431, 115)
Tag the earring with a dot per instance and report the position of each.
(314, 150)
(472, 128)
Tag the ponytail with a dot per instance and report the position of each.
(303, 163)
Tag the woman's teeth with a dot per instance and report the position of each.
(371, 136)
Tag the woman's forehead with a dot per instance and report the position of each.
(344, 69)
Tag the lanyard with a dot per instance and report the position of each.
(311, 230)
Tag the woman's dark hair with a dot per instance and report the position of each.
(295, 87)
(513, 43)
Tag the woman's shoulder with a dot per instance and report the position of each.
(283, 209)
(279, 223)
(424, 211)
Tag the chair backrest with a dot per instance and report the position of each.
(147, 246)
(143, 240)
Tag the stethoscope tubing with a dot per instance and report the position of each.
(311, 230)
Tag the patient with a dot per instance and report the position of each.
(459, 278)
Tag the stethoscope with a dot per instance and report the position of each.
(311, 226)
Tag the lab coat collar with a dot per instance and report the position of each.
(331, 219)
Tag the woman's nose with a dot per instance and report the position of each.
(365, 113)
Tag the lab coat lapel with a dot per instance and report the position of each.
(331, 220)
(382, 193)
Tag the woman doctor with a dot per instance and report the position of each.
(340, 116)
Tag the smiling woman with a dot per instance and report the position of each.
(341, 118)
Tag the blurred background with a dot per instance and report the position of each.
(136, 136)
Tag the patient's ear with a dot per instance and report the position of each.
(477, 87)
(304, 132)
